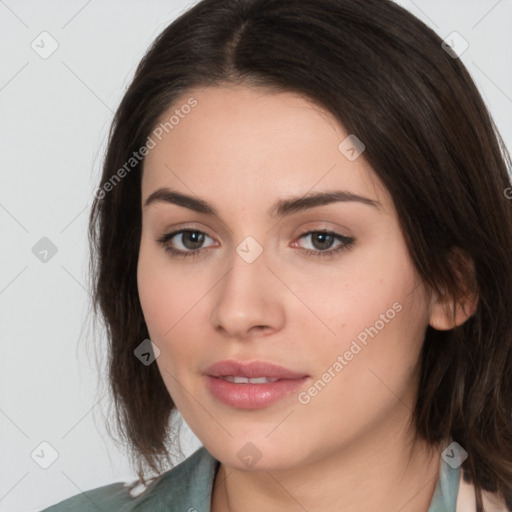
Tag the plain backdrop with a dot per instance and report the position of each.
(55, 112)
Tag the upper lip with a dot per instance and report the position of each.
(251, 370)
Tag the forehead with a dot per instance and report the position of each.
(240, 140)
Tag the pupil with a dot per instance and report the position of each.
(196, 238)
(325, 240)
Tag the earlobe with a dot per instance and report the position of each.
(445, 315)
(453, 308)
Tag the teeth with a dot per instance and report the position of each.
(260, 380)
(245, 380)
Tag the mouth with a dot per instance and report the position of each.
(245, 380)
(254, 385)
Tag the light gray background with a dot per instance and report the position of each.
(55, 115)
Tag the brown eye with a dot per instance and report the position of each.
(185, 242)
(323, 241)
(192, 239)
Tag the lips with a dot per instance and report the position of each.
(251, 370)
(252, 385)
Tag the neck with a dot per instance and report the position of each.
(371, 474)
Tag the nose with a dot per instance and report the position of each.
(248, 300)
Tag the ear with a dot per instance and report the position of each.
(445, 315)
(448, 312)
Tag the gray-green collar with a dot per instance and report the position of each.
(191, 483)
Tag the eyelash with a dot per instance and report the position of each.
(347, 243)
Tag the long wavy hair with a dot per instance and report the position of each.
(385, 77)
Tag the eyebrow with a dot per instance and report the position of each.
(282, 208)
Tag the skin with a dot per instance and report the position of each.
(241, 150)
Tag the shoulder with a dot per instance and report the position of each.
(187, 486)
(110, 497)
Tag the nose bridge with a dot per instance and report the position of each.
(246, 297)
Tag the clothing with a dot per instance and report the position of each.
(188, 488)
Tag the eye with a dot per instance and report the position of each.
(323, 241)
(189, 242)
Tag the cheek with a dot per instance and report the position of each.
(348, 298)
(377, 316)
(375, 356)
(154, 296)
(167, 300)
(173, 302)
(166, 292)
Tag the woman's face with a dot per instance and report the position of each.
(344, 312)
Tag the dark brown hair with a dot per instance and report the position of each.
(385, 77)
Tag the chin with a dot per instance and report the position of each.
(254, 455)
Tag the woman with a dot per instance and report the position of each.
(303, 245)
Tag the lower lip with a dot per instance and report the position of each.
(252, 396)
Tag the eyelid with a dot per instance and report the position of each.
(325, 225)
(325, 231)
(345, 244)
(169, 235)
